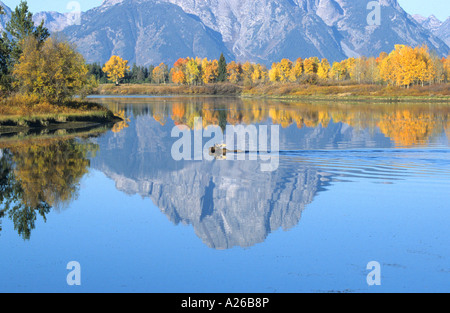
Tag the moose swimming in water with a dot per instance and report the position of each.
(219, 151)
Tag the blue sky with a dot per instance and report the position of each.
(53, 5)
(440, 8)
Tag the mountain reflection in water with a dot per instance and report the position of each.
(228, 203)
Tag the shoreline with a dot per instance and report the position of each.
(355, 98)
(90, 114)
(52, 121)
(335, 93)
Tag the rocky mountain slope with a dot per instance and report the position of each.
(271, 29)
(434, 25)
(145, 32)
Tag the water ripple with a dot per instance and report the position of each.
(374, 164)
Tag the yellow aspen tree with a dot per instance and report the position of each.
(402, 66)
(387, 70)
(247, 72)
(234, 72)
(411, 66)
(349, 66)
(116, 68)
(297, 70)
(311, 65)
(274, 73)
(284, 69)
(446, 63)
(210, 71)
(193, 74)
(160, 73)
(324, 69)
(260, 74)
(428, 72)
(337, 71)
(53, 71)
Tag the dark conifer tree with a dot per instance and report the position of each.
(222, 75)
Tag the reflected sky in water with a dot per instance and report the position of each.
(356, 183)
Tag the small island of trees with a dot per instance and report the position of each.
(40, 76)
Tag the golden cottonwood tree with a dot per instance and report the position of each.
(53, 71)
(193, 73)
(311, 65)
(406, 65)
(210, 71)
(285, 68)
(160, 73)
(116, 68)
(281, 71)
(297, 70)
(260, 74)
(324, 69)
(446, 62)
(234, 72)
(426, 67)
(247, 73)
(338, 71)
(274, 73)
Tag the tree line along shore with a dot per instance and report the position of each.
(404, 72)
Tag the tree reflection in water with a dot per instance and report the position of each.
(39, 176)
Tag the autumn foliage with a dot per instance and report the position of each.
(404, 67)
(116, 68)
(53, 71)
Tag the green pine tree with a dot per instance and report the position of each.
(5, 53)
(17, 29)
(222, 75)
(20, 27)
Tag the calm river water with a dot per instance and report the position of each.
(352, 184)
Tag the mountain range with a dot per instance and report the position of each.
(149, 32)
(435, 26)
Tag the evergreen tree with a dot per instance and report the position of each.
(17, 29)
(134, 73)
(5, 53)
(20, 27)
(222, 76)
(140, 76)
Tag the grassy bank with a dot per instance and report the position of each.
(18, 115)
(433, 93)
(439, 93)
(152, 89)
